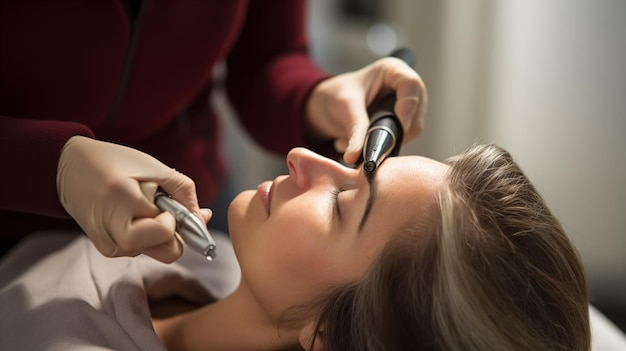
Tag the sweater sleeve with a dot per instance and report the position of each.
(29, 153)
(270, 74)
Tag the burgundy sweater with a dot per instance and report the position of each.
(141, 78)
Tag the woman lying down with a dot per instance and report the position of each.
(461, 255)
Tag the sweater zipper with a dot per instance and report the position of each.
(128, 62)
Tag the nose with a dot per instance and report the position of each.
(308, 168)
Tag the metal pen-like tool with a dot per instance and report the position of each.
(191, 228)
(385, 134)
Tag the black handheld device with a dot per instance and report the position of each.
(385, 133)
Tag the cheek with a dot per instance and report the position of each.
(300, 244)
(299, 247)
(285, 263)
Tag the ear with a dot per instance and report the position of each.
(307, 333)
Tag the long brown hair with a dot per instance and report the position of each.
(494, 270)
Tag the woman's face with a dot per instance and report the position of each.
(324, 223)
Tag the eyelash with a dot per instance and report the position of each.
(335, 198)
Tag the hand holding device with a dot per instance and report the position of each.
(337, 107)
(193, 229)
(385, 134)
(99, 186)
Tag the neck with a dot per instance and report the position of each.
(237, 322)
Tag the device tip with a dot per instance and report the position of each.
(210, 256)
(210, 253)
(369, 166)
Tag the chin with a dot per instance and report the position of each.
(240, 210)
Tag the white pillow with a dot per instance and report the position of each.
(605, 336)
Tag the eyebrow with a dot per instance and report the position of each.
(370, 200)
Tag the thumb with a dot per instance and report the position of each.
(207, 214)
(148, 189)
(357, 138)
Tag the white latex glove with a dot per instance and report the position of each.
(337, 107)
(99, 186)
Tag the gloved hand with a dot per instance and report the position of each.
(99, 186)
(337, 107)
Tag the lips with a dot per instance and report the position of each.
(264, 190)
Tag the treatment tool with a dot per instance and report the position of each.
(191, 228)
(385, 133)
(188, 225)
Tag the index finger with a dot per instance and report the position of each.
(411, 96)
(181, 188)
(410, 106)
(358, 131)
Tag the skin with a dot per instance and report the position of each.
(294, 247)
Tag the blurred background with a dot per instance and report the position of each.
(544, 79)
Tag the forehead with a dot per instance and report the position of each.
(415, 171)
(406, 187)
